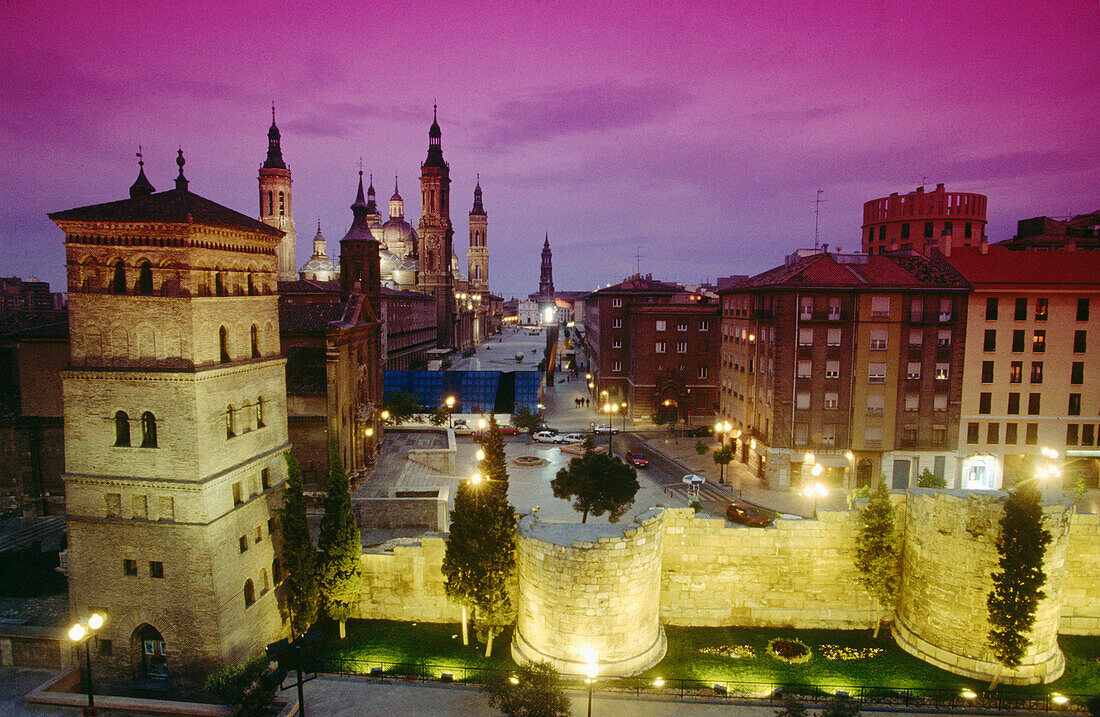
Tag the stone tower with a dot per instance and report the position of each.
(478, 256)
(360, 271)
(436, 235)
(175, 429)
(546, 283)
(275, 203)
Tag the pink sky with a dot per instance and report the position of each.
(693, 133)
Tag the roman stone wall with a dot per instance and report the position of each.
(398, 510)
(590, 592)
(949, 555)
(800, 573)
(405, 582)
(1081, 595)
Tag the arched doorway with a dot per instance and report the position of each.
(863, 473)
(669, 410)
(150, 654)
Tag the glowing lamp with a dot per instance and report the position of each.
(76, 633)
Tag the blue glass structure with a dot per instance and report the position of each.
(474, 391)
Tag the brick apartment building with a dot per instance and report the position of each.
(1032, 354)
(922, 221)
(654, 345)
(853, 362)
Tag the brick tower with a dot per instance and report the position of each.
(478, 256)
(436, 235)
(175, 429)
(275, 203)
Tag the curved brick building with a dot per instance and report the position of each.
(921, 220)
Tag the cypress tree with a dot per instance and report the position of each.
(341, 547)
(878, 553)
(299, 557)
(1016, 592)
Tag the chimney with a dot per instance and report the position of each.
(983, 247)
(947, 242)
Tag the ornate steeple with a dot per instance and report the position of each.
(546, 277)
(435, 148)
(478, 207)
(274, 152)
(397, 204)
(141, 187)
(372, 206)
(181, 181)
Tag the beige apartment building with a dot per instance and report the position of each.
(1032, 365)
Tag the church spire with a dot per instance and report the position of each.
(372, 205)
(274, 151)
(142, 186)
(181, 181)
(435, 147)
(478, 207)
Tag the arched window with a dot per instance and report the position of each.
(145, 279)
(255, 337)
(223, 344)
(118, 283)
(270, 202)
(260, 412)
(251, 285)
(219, 283)
(249, 592)
(246, 413)
(122, 429)
(264, 586)
(281, 205)
(230, 428)
(148, 430)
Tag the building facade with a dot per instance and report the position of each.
(654, 346)
(922, 221)
(1079, 232)
(175, 429)
(851, 362)
(1032, 354)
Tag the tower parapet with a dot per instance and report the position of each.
(921, 221)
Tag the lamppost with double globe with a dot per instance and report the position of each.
(79, 633)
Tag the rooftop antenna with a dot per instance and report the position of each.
(924, 180)
(817, 213)
(638, 259)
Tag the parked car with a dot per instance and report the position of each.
(604, 428)
(574, 438)
(509, 431)
(747, 514)
(548, 429)
(637, 459)
(547, 437)
(462, 428)
(700, 432)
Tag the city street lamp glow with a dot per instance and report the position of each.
(659, 682)
(95, 621)
(369, 431)
(385, 415)
(76, 632)
(513, 679)
(481, 426)
(480, 454)
(1059, 699)
(475, 478)
(816, 470)
(450, 401)
(969, 694)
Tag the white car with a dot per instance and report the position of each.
(548, 437)
(574, 438)
(462, 428)
(604, 428)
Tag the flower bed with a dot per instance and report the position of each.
(790, 650)
(736, 652)
(836, 652)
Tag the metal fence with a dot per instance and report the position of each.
(681, 688)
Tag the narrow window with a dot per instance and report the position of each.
(1077, 373)
(1021, 310)
(219, 283)
(1013, 404)
(129, 567)
(1017, 341)
(905, 230)
(1034, 404)
(282, 206)
(223, 344)
(265, 481)
(1010, 434)
(987, 372)
(122, 429)
(249, 593)
(156, 569)
(1039, 341)
(1074, 404)
(251, 285)
(990, 343)
(260, 414)
(991, 309)
(118, 284)
(985, 403)
(1042, 306)
(230, 429)
(967, 231)
(1080, 339)
(1082, 309)
(1031, 434)
(270, 202)
(928, 229)
(1071, 434)
(246, 412)
(264, 586)
(243, 543)
(972, 432)
(145, 279)
(148, 430)
(255, 341)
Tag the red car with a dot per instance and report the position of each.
(637, 459)
(747, 514)
(509, 431)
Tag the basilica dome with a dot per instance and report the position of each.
(399, 236)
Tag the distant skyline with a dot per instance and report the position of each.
(695, 134)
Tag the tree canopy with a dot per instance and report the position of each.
(537, 691)
(402, 405)
(525, 419)
(1016, 592)
(340, 545)
(878, 549)
(299, 557)
(597, 483)
(928, 479)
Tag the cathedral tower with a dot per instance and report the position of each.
(359, 263)
(478, 256)
(275, 204)
(175, 429)
(547, 308)
(436, 235)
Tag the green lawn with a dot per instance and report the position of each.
(370, 643)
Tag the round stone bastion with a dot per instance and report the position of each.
(590, 589)
(950, 553)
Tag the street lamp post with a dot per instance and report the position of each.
(591, 669)
(449, 402)
(624, 416)
(79, 633)
(607, 407)
(817, 489)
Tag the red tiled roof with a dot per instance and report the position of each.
(1004, 266)
(874, 271)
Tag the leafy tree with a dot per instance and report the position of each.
(928, 479)
(722, 456)
(1016, 592)
(299, 557)
(243, 684)
(480, 556)
(878, 553)
(525, 419)
(402, 405)
(597, 483)
(439, 416)
(700, 447)
(857, 494)
(839, 706)
(538, 691)
(341, 547)
(792, 707)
